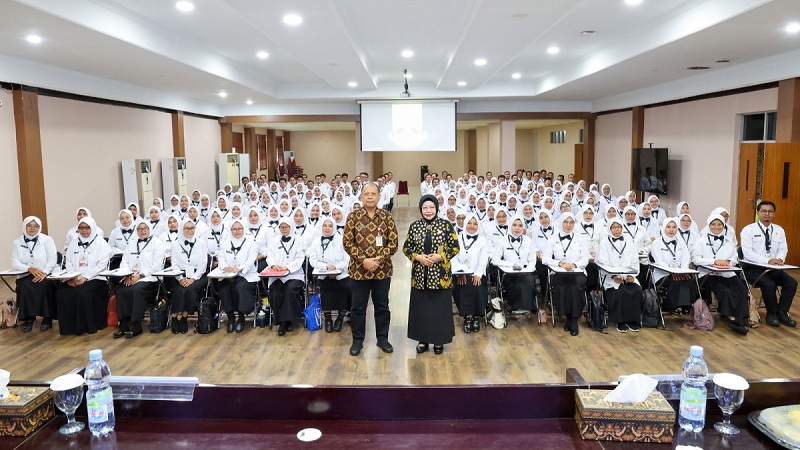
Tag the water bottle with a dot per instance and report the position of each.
(99, 398)
(692, 411)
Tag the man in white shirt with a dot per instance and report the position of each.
(426, 186)
(764, 242)
(391, 186)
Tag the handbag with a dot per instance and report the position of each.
(755, 317)
(313, 314)
(113, 320)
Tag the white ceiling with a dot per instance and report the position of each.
(146, 51)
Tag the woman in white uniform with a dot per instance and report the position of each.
(157, 225)
(144, 256)
(285, 252)
(669, 250)
(543, 232)
(73, 232)
(622, 293)
(82, 302)
(190, 255)
(568, 254)
(122, 234)
(35, 253)
(470, 292)
(326, 252)
(515, 251)
(238, 294)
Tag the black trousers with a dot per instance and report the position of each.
(769, 288)
(379, 289)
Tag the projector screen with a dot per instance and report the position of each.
(408, 126)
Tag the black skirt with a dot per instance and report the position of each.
(470, 299)
(82, 309)
(36, 299)
(334, 294)
(286, 300)
(569, 293)
(185, 298)
(679, 293)
(731, 295)
(430, 316)
(624, 303)
(237, 294)
(133, 300)
(520, 291)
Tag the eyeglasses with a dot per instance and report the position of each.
(32, 225)
(767, 211)
(85, 228)
(188, 228)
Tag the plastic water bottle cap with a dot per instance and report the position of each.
(696, 350)
(96, 354)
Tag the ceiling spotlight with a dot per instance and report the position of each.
(34, 39)
(223, 94)
(462, 83)
(352, 84)
(262, 55)
(184, 6)
(249, 102)
(793, 27)
(516, 75)
(407, 53)
(553, 50)
(588, 33)
(292, 19)
(633, 2)
(480, 62)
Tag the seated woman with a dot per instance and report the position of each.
(35, 253)
(193, 214)
(541, 235)
(638, 235)
(670, 251)
(144, 256)
(82, 302)
(260, 234)
(73, 232)
(339, 219)
(470, 292)
(157, 225)
(516, 251)
(326, 252)
(567, 254)
(133, 207)
(687, 230)
(586, 227)
(216, 234)
(622, 293)
(190, 255)
(121, 235)
(716, 249)
(238, 294)
(284, 252)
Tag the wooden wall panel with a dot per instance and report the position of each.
(788, 126)
(251, 149)
(29, 154)
(178, 137)
(226, 146)
(747, 185)
(272, 156)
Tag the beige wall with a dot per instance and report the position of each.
(493, 148)
(702, 137)
(202, 142)
(558, 158)
(11, 225)
(328, 152)
(82, 146)
(524, 150)
(612, 163)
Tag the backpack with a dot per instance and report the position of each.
(701, 317)
(650, 310)
(159, 315)
(207, 316)
(313, 314)
(596, 315)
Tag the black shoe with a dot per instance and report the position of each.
(47, 323)
(118, 334)
(386, 347)
(282, 329)
(622, 328)
(184, 324)
(476, 324)
(337, 324)
(422, 348)
(175, 325)
(355, 349)
(231, 324)
(773, 321)
(328, 324)
(27, 326)
(633, 327)
(738, 327)
(785, 319)
(438, 349)
(467, 325)
(289, 327)
(574, 329)
(240, 323)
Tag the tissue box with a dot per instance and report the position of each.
(27, 412)
(652, 420)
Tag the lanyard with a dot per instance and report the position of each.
(666, 244)
(285, 250)
(467, 247)
(568, 245)
(627, 230)
(30, 249)
(585, 226)
(188, 254)
(518, 249)
(139, 250)
(711, 244)
(767, 237)
(619, 252)
(324, 243)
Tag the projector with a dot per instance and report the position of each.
(405, 94)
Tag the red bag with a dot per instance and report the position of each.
(113, 320)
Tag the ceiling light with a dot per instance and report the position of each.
(352, 84)
(553, 50)
(516, 75)
(698, 68)
(462, 83)
(292, 19)
(249, 102)
(184, 6)
(633, 2)
(793, 27)
(262, 55)
(223, 94)
(588, 33)
(407, 53)
(480, 62)
(34, 39)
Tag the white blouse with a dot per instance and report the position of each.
(621, 254)
(89, 261)
(510, 252)
(192, 260)
(144, 258)
(242, 257)
(320, 256)
(289, 254)
(707, 249)
(41, 254)
(668, 255)
(473, 255)
(575, 251)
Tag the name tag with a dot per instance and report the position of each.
(379, 241)
(83, 262)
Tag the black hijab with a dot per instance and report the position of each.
(428, 244)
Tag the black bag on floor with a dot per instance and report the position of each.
(596, 315)
(207, 316)
(650, 310)
(159, 314)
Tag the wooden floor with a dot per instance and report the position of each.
(521, 353)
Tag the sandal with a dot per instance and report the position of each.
(422, 348)
(438, 349)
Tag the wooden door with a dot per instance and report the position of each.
(578, 169)
(749, 185)
(781, 185)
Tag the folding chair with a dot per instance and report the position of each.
(402, 189)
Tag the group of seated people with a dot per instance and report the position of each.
(562, 232)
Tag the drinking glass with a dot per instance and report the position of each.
(729, 390)
(68, 395)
